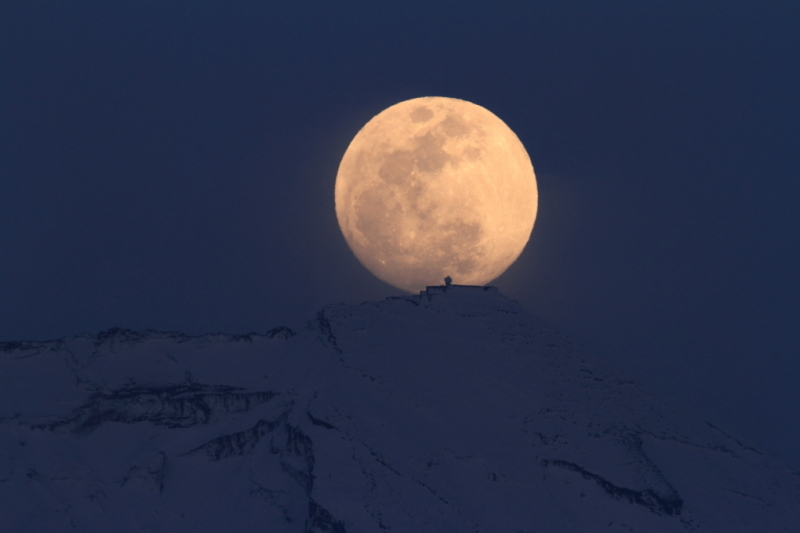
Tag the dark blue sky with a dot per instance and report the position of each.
(170, 165)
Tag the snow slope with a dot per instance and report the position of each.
(450, 411)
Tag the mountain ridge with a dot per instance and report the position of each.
(453, 410)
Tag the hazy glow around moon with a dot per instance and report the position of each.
(435, 187)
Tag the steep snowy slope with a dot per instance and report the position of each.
(451, 411)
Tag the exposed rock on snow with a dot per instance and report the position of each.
(176, 406)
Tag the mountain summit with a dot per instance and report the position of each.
(451, 411)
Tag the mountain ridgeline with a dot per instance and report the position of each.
(454, 411)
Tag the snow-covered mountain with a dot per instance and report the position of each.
(452, 411)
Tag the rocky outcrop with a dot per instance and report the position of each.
(175, 406)
(666, 504)
(321, 521)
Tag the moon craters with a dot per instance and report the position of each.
(397, 166)
(421, 114)
(428, 189)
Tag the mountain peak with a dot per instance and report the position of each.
(451, 410)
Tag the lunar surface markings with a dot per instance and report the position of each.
(434, 187)
(421, 114)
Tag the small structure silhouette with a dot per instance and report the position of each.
(430, 290)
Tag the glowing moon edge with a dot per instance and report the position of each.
(434, 187)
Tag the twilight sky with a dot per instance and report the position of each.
(170, 165)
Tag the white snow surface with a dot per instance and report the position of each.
(451, 411)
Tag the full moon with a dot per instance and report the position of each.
(435, 187)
